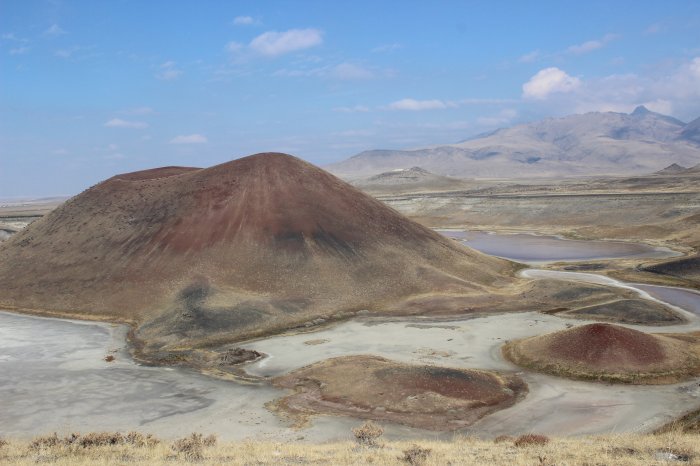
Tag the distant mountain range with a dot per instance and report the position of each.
(596, 143)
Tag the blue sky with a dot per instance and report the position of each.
(93, 88)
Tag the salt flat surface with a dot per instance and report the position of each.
(54, 378)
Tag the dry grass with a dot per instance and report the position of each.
(109, 448)
(368, 434)
(531, 439)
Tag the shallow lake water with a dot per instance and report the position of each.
(538, 249)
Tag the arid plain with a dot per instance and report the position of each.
(461, 353)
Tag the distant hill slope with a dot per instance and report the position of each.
(256, 245)
(591, 144)
(691, 131)
(673, 169)
(412, 179)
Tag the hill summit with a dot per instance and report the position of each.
(256, 245)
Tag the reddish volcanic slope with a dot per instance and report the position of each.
(251, 246)
(605, 345)
(608, 352)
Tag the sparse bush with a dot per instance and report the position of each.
(416, 455)
(94, 439)
(138, 439)
(99, 439)
(109, 358)
(192, 447)
(531, 439)
(3, 442)
(503, 439)
(47, 441)
(368, 434)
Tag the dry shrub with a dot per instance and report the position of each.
(531, 439)
(368, 434)
(3, 442)
(47, 441)
(503, 439)
(99, 439)
(416, 455)
(192, 447)
(109, 358)
(138, 439)
(93, 440)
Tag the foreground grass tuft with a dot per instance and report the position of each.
(139, 449)
(192, 447)
(368, 434)
(416, 455)
(531, 439)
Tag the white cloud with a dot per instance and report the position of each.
(386, 48)
(234, 47)
(673, 89)
(168, 71)
(19, 50)
(243, 20)
(549, 81)
(54, 30)
(60, 152)
(355, 109)
(349, 71)
(592, 45)
(414, 105)
(119, 123)
(13, 37)
(273, 43)
(112, 147)
(343, 71)
(189, 139)
(530, 57)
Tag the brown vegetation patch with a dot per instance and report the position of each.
(688, 267)
(619, 449)
(607, 352)
(238, 356)
(192, 447)
(415, 455)
(93, 440)
(369, 387)
(531, 439)
(627, 311)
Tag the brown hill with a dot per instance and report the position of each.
(253, 246)
(686, 268)
(371, 387)
(606, 352)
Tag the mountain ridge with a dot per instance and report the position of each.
(595, 143)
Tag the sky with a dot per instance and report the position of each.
(89, 89)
